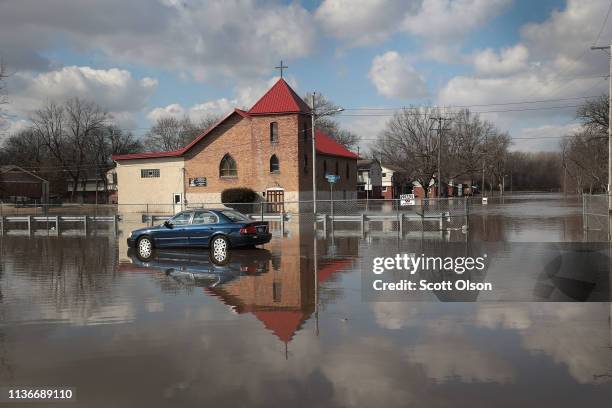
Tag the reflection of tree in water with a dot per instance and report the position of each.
(70, 277)
(7, 367)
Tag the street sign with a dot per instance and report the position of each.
(332, 178)
(485, 200)
(407, 199)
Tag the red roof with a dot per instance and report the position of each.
(179, 152)
(328, 270)
(279, 99)
(328, 146)
(284, 324)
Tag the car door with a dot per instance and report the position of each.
(201, 228)
(175, 234)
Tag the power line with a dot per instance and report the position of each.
(476, 112)
(485, 104)
(603, 24)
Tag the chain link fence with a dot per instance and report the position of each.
(363, 215)
(595, 214)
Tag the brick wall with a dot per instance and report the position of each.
(247, 140)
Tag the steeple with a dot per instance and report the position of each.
(281, 98)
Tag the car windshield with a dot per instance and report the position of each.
(235, 216)
(180, 218)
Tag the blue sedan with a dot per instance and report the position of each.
(218, 229)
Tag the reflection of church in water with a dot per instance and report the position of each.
(275, 284)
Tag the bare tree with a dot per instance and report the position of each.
(325, 111)
(107, 141)
(25, 147)
(68, 133)
(585, 157)
(465, 144)
(409, 142)
(169, 133)
(594, 115)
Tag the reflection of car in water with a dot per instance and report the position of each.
(201, 268)
(219, 229)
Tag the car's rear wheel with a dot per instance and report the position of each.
(219, 247)
(145, 247)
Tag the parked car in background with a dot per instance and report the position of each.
(218, 229)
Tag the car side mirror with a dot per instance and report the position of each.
(167, 224)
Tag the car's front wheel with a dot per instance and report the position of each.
(145, 247)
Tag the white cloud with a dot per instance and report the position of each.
(174, 110)
(244, 97)
(440, 24)
(542, 138)
(443, 24)
(115, 90)
(551, 61)
(507, 61)
(394, 77)
(195, 112)
(451, 19)
(362, 22)
(233, 38)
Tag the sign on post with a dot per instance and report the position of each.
(332, 178)
(485, 200)
(407, 199)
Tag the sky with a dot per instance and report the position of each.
(143, 59)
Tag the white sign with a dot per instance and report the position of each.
(407, 199)
(485, 200)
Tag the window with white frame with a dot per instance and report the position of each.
(149, 173)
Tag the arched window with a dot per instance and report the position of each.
(227, 167)
(274, 166)
(324, 167)
(274, 132)
(337, 168)
(305, 164)
(305, 133)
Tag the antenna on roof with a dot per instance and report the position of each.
(281, 67)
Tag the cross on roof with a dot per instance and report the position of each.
(281, 66)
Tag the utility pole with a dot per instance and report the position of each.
(609, 49)
(440, 120)
(314, 159)
(484, 165)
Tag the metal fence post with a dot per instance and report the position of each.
(363, 220)
(401, 224)
(262, 210)
(29, 224)
(282, 221)
(115, 223)
(466, 209)
(85, 224)
(57, 224)
(585, 223)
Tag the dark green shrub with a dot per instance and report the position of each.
(239, 198)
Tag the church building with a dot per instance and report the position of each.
(267, 148)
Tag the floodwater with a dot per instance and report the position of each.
(273, 327)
